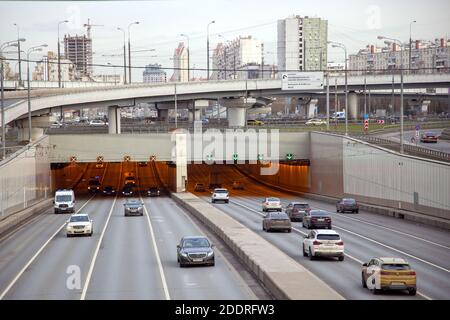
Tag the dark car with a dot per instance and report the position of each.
(128, 190)
(199, 187)
(133, 207)
(195, 250)
(296, 210)
(109, 191)
(94, 186)
(276, 221)
(347, 205)
(316, 219)
(153, 192)
(429, 137)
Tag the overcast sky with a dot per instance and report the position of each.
(354, 22)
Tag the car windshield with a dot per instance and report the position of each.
(273, 199)
(395, 266)
(429, 134)
(328, 237)
(108, 188)
(196, 243)
(94, 183)
(64, 198)
(319, 213)
(79, 219)
(280, 216)
(129, 178)
(220, 191)
(301, 206)
(349, 201)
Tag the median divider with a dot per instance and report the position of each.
(284, 277)
(14, 220)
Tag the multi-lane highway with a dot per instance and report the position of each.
(365, 235)
(126, 258)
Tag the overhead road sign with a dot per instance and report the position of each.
(302, 81)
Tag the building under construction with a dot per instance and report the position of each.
(78, 49)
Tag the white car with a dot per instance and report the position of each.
(324, 243)
(97, 123)
(220, 194)
(271, 204)
(79, 224)
(56, 124)
(315, 122)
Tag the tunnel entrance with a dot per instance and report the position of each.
(246, 179)
(96, 177)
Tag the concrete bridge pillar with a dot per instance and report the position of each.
(237, 117)
(38, 124)
(113, 120)
(352, 105)
(313, 108)
(163, 115)
(194, 115)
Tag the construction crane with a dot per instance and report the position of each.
(88, 26)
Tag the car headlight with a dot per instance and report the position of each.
(183, 254)
(210, 253)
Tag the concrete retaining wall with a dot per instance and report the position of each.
(280, 274)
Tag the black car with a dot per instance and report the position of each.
(195, 250)
(347, 205)
(94, 186)
(153, 192)
(109, 191)
(128, 190)
(316, 219)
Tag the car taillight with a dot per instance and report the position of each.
(327, 219)
(412, 273)
(340, 243)
(316, 243)
(384, 273)
(314, 219)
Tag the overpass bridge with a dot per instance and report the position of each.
(237, 95)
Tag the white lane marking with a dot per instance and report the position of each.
(304, 233)
(158, 259)
(381, 244)
(383, 227)
(94, 258)
(13, 282)
(392, 248)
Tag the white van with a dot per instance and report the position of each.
(64, 201)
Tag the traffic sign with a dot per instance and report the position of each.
(380, 121)
(289, 156)
(235, 156)
(366, 124)
(302, 81)
(260, 157)
(417, 127)
(417, 133)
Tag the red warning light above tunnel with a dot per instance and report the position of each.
(153, 158)
(73, 159)
(100, 159)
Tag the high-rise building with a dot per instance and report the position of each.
(154, 74)
(78, 49)
(426, 57)
(180, 64)
(302, 44)
(229, 58)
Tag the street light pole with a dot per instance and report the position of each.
(5, 45)
(129, 51)
(207, 48)
(59, 55)
(124, 57)
(32, 49)
(396, 41)
(410, 44)
(342, 46)
(18, 53)
(188, 57)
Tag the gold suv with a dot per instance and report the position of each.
(388, 274)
